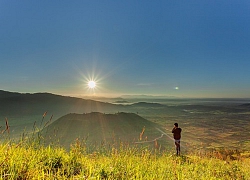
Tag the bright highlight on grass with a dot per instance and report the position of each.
(91, 84)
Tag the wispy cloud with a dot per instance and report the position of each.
(145, 84)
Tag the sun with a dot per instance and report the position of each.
(91, 84)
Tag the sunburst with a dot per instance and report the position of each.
(91, 84)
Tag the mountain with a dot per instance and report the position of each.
(12, 103)
(141, 96)
(99, 128)
(247, 105)
(148, 105)
(102, 99)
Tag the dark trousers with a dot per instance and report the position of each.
(178, 146)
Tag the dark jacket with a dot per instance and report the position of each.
(177, 133)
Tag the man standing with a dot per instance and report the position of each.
(177, 138)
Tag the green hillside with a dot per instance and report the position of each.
(99, 128)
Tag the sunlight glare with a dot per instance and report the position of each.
(91, 84)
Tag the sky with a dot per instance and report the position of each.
(129, 47)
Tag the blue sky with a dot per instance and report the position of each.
(171, 48)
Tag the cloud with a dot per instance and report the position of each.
(145, 84)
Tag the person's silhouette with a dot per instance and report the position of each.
(177, 138)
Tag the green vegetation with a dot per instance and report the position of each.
(28, 159)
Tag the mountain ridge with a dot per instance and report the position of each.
(12, 103)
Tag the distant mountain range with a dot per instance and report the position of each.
(146, 97)
(12, 103)
(245, 105)
(146, 104)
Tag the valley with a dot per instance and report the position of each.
(206, 124)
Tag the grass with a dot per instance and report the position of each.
(30, 160)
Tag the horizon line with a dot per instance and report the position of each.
(134, 96)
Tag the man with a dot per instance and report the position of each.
(177, 138)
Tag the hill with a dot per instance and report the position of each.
(147, 105)
(28, 104)
(99, 128)
(23, 110)
(246, 105)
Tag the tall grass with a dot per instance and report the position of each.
(26, 161)
(29, 158)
